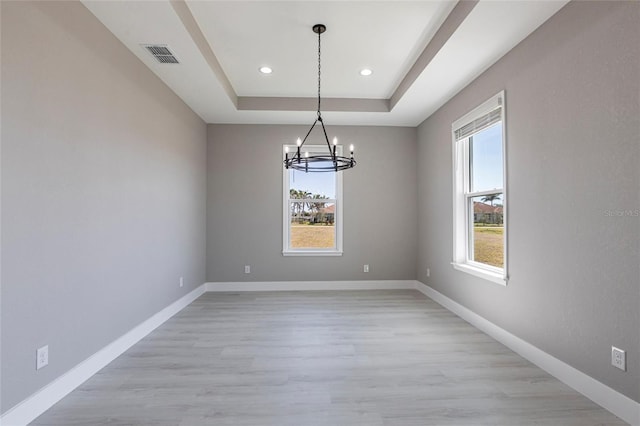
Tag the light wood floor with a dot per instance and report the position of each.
(322, 358)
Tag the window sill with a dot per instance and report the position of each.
(496, 277)
(312, 253)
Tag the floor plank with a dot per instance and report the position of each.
(375, 358)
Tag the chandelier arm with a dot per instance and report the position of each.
(326, 138)
(309, 132)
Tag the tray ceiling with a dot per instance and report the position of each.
(421, 53)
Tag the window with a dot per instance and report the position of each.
(479, 240)
(312, 210)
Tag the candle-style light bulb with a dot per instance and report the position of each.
(335, 141)
(299, 142)
(286, 149)
(306, 154)
(351, 148)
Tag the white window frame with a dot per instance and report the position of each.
(461, 195)
(286, 211)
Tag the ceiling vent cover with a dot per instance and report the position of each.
(162, 53)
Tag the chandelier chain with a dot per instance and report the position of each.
(319, 69)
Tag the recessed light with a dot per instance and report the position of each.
(266, 70)
(365, 72)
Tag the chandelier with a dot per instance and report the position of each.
(330, 162)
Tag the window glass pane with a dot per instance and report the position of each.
(313, 225)
(485, 156)
(310, 185)
(487, 230)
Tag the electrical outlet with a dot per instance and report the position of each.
(618, 358)
(247, 269)
(428, 272)
(181, 281)
(366, 268)
(42, 357)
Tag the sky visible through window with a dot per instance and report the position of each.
(315, 183)
(486, 149)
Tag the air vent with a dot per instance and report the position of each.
(162, 53)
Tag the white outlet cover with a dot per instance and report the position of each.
(366, 268)
(42, 357)
(618, 358)
(247, 269)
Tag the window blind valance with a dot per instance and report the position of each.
(479, 124)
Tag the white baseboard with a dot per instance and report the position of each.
(312, 285)
(32, 407)
(620, 405)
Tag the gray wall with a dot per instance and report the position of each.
(245, 205)
(103, 192)
(572, 120)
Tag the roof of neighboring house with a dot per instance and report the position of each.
(329, 209)
(486, 208)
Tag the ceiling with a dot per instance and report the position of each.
(421, 53)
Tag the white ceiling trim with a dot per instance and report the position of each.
(190, 24)
(446, 30)
(264, 103)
